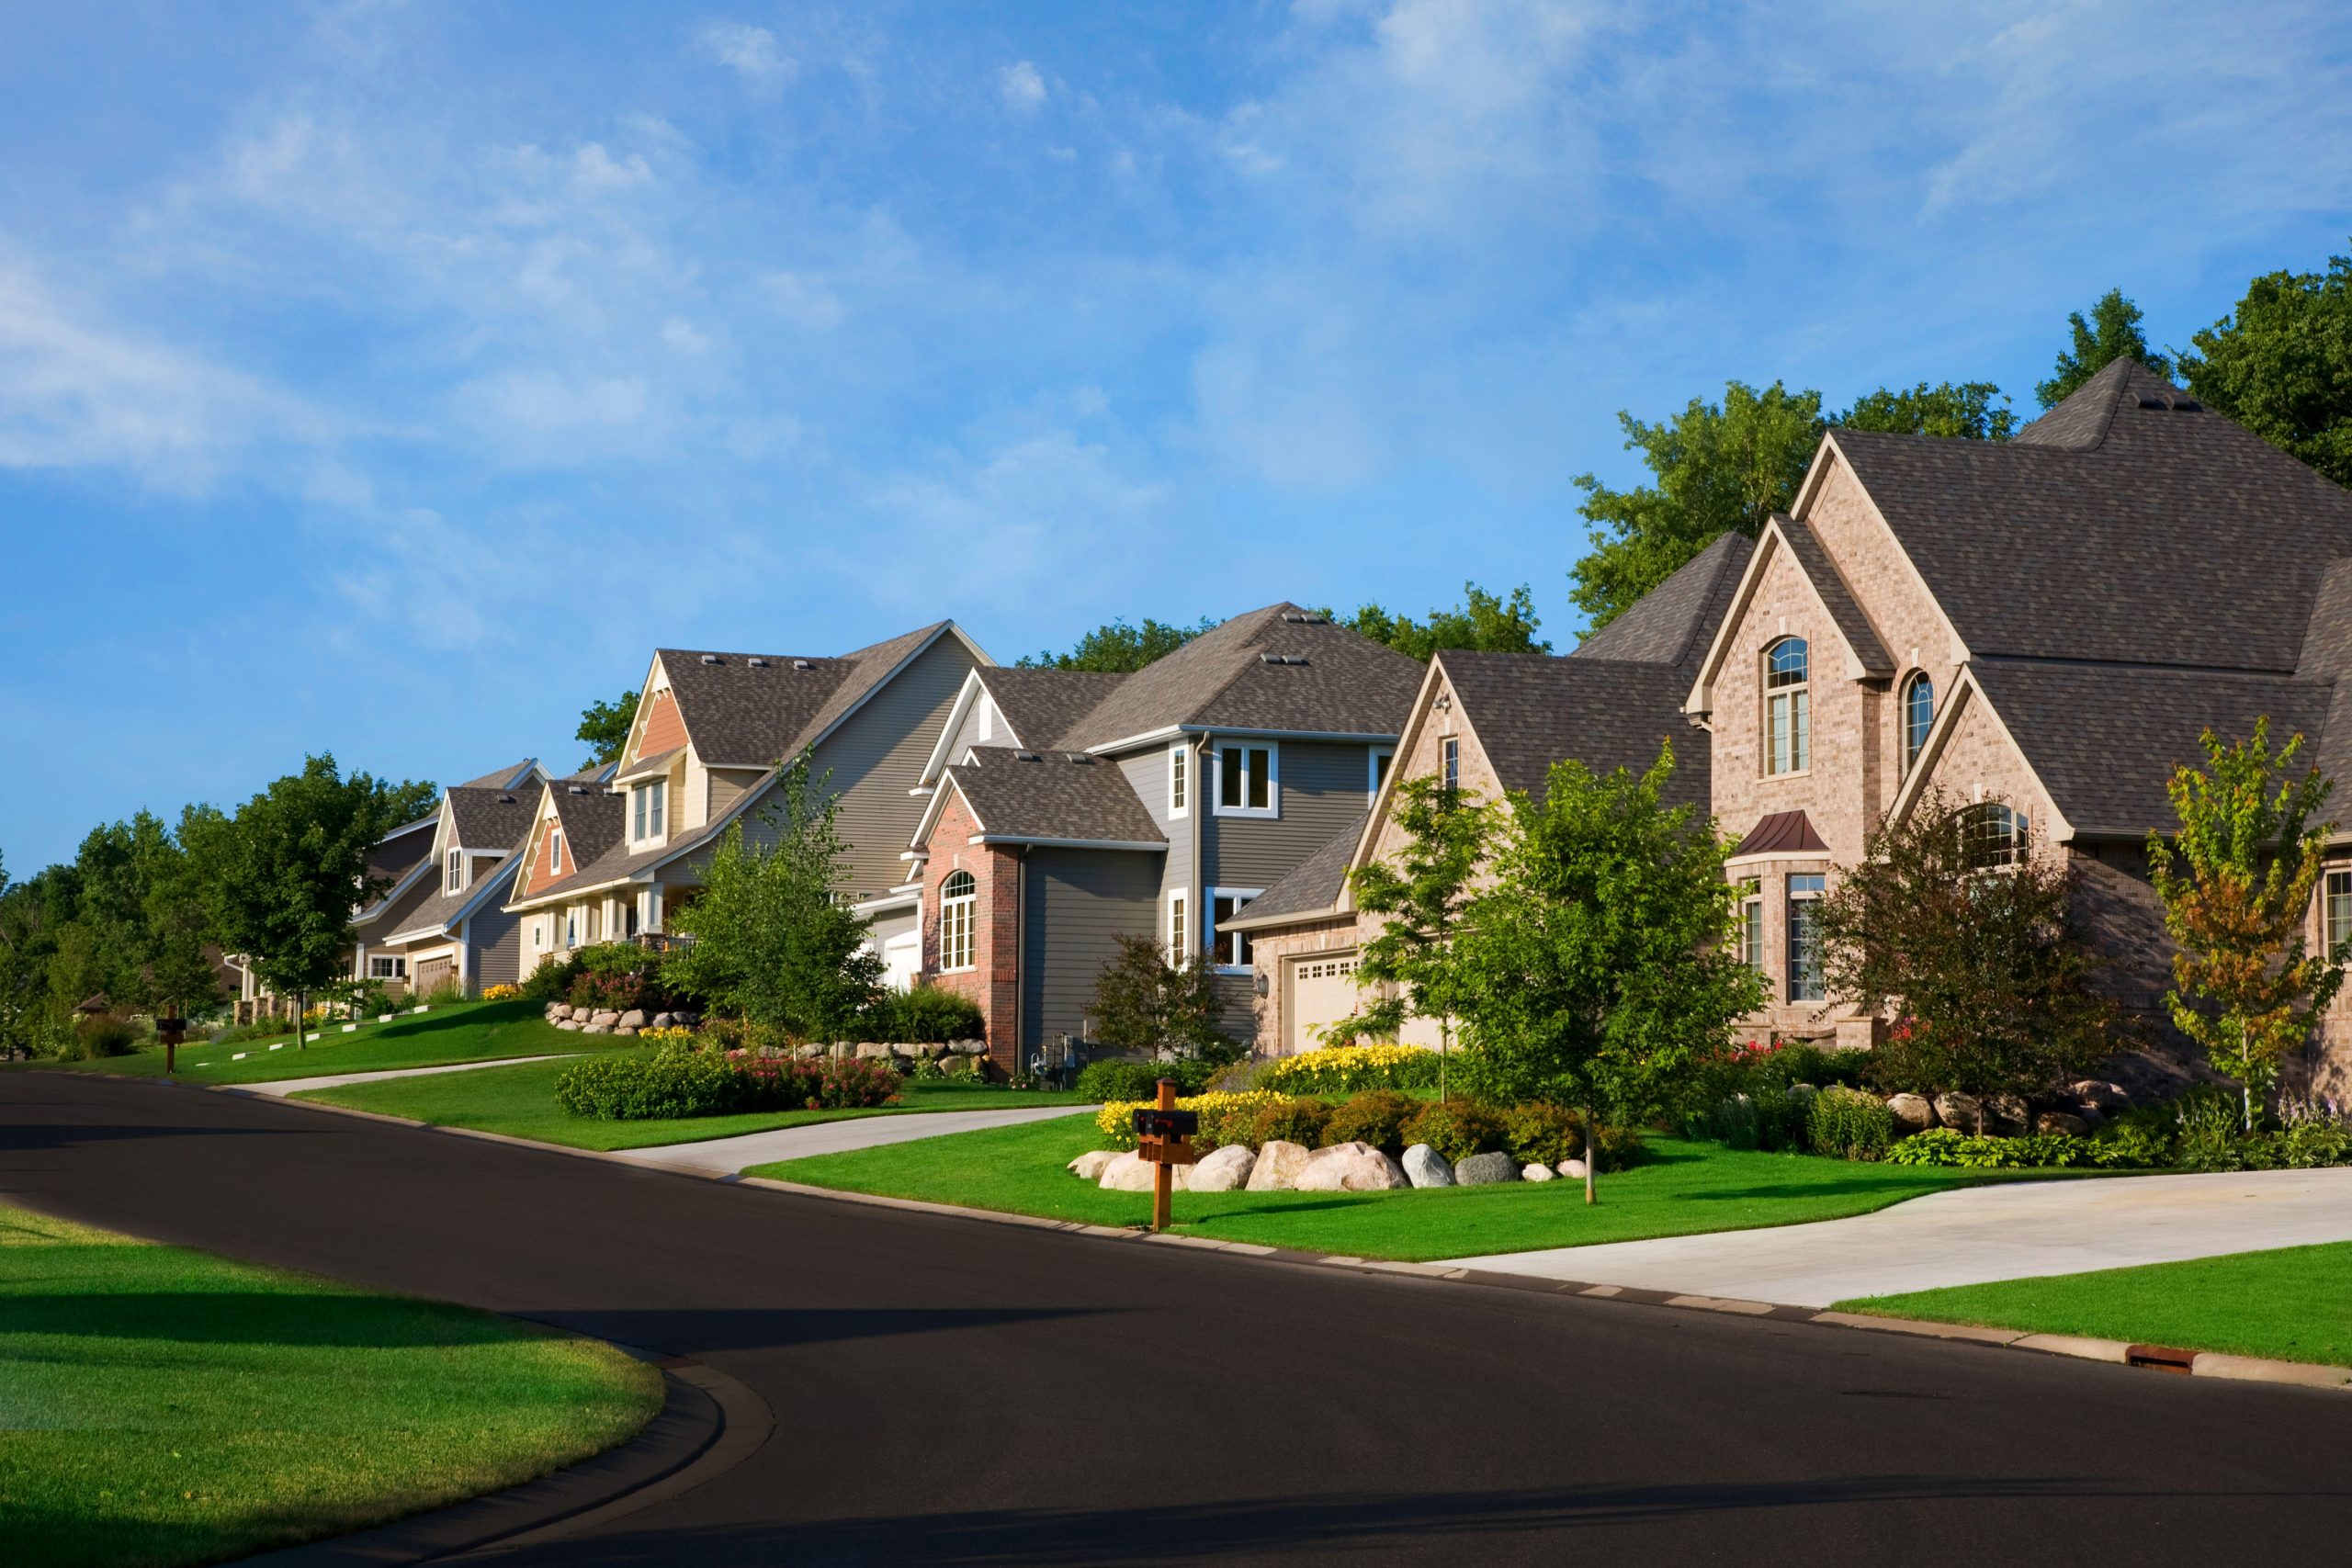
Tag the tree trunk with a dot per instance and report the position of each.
(1591, 1159)
(302, 1017)
(1444, 1047)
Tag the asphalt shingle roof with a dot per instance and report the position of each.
(1314, 885)
(491, 818)
(1530, 710)
(1042, 705)
(742, 714)
(1673, 623)
(1053, 795)
(1852, 624)
(503, 778)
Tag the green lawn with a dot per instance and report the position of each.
(2294, 1304)
(456, 1031)
(164, 1407)
(1684, 1188)
(520, 1103)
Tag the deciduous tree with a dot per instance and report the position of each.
(1118, 648)
(2281, 365)
(2111, 333)
(605, 726)
(1483, 622)
(1146, 1001)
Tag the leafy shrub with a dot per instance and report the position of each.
(2304, 1145)
(1945, 1146)
(551, 981)
(1455, 1128)
(1220, 1114)
(1770, 1119)
(931, 1015)
(1299, 1122)
(2137, 1140)
(1543, 1134)
(1376, 1117)
(1352, 1069)
(104, 1035)
(675, 1082)
(1850, 1124)
(1122, 1080)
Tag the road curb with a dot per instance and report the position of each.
(2205, 1364)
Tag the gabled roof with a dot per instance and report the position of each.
(595, 827)
(1673, 623)
(1042, 706)
(2129, 524)
(1059, 797)
(483, 818)
(1280, 670)
(1312, 887)
(1835, 597)
(440, 913)
(515, 775)
(1530, 710)
(749, 710)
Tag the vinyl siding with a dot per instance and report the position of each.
(1323, 789)
(1077, 901)
(1147, 775)
(726, 787)
(876, 757)
(497, 940)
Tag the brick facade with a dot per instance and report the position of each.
(993, 981)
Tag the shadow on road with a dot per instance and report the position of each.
(696, 1331)
(21, 1137)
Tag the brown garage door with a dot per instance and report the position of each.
(433, 974)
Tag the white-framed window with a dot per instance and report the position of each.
(1805, 981)
(1231, 950)
(1918, 715)
(1179, 928)
(1180, 783)
(1751, 923)
(555, 851)
(1248, 781)
(2339, 909)
(1451, 762)
(453, 872)
(958, 910)
(539, 934)
(1788, 707)
(648, 807)
(387, 966)
(1376, 771)
(1992, 834)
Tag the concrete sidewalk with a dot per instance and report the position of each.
(1970, 1235)
(724, 1156)
(281, 1088)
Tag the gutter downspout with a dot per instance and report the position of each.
(1020, 950)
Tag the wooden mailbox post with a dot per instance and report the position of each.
(171, 1032)
(1164, 1139)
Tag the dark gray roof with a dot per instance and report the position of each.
(2126, 524)
(2327, 656)
(491, 818)
(1053, 795)
(1835, 597)
(2104, 741)
(1331, 681)
(1673, 623)
(438, 911)
(398, 900)
(742, 713)
(509, 777)
(1530, 710)
(1313, 885)
(595, 830)
(1042, 705)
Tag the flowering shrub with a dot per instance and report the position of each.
(500, 993)
(1225, 1118)
(1352, 1069)
(667, 1035)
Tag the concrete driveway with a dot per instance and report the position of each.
(724, 1156)
(1972, 1235)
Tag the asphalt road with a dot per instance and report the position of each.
(948, 1390)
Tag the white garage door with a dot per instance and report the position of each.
(1323, 991)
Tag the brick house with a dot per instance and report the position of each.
(2041, 627)
(614, 858)
(1066, 809)
(1491, 722)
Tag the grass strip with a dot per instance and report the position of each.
(2293, 1303)
(456, 1031)
(1685, 1189)
(163, 1407)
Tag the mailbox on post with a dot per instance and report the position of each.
(1164, 1139)
(171, 1032)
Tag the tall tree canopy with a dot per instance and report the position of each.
(605, 726)
(1485, 622)
(2281, 365)
(2112, 333)
(1118, 648)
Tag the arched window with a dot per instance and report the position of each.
(1788, 708)
(957, 902)
(1992, 834)
(1918, 713)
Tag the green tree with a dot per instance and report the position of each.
(1484, 621)
(1419, 900)
(1118, 648)
(771, 939)
(1597, 971)
(1972, 411)
(1953, 926)
(282, 877)
(2236, 882)
(2281, 365)
(2112, 333)
(1144, 1002)
(605, 726)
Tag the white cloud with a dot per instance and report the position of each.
(546, 418)
(752, 51)
(804, 301)
(596, 170)
(684, 335)
(1023, 88)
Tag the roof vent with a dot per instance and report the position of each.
(1027, 757)
(756, 662)
(1282, 658)
(1295, 617)
(711, 659)
(577, 789)
(802, 664)
(506, 800)
(2188, 405)
(1082, 759)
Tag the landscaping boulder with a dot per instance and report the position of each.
(2091, 1116)
(967, 1047)
(1087, 1166)
(1223, 1170)
(1279, 1163)
(906, 1051)
(1960, 1111)
(636, 1018)
(570, 1023)
(559, 1010)
(934, 1049)
(1132, 1173)
(1351, 1167)
(872, 1052)
(2005, 1115)
(1536, 1173)
(596, 1028)
(623, 1029)
(665, 1020)
(1424, 1166)
(1913, 1112)
(1485, 1170)
(2110, 1098)
(2060, 1121)
(607, 1018)
(1571, 1168)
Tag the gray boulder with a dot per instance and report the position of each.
(872, 1052)
(1913, 1112)
(1087, 1166)
(1485, 1170)
(1960, 1113)
(596, 1028)
(1537, 1173)
(636, 1018)
(559, 1010)
(624, 1029)
(1223, 1170)
(1424, 1166)
(568, 1023)
(664, 1020)
(1351, 1167)
(2100, 1095)
(967, 1047)
(2005, 1115)
(1279, 1163)
(2060, 1122)
(1130, 1172)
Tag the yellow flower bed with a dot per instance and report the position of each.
(668, 1034)
(500, 993)
(1347, 1069)
(1117, 1119)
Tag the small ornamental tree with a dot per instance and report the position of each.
(1418, 899)
(1956, 926)
(2236, 882)
(1143, 1001)
(1598, 971)
(771, 940)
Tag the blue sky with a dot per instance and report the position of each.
(389, 379)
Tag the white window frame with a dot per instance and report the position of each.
(1815, 889)
(1752, 951)
(959, 925)
(1274, 806)
(396, 966)
(1794, 699)
(1372, 760)
(453, 871)
(648, 811)
(1218, 939)
(555, 851)
(2331, 880)
(1180, 779)
(1175, 924)
(1449, 762)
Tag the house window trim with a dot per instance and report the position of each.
(1180, 780)
(1175, 924)
(2329, 877)
(453, 872)
(1449, 762)
(1798, 696)
(1752, 951)
(555, 851)
(1791, 896)
(1274, 806)
(1216, 939)
(397, 970)
(1371, 773)
(648, 812)
(960, 924)
(1915, 737)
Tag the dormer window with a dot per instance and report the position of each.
(555, 851)
(647, 804)
(1918, 715)
(453, 872)
(1788, 707)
